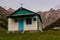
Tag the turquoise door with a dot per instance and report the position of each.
(21, 25)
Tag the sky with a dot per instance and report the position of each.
(34, 5)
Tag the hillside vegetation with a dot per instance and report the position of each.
(3, 23)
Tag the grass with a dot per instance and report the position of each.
(47, 35)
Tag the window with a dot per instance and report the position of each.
(29, 21)
(15, 20)
(34, 19)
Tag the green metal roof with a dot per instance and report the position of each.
(22, 11)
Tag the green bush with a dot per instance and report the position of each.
(3, 23)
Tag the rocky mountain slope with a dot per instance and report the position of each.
(4, 13)
(10, 10)
(49, 17)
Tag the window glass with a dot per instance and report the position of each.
(29, 21)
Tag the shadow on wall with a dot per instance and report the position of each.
(51, 26)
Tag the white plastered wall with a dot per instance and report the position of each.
(32, 26)
(12, 25)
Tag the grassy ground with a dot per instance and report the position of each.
(47, 35)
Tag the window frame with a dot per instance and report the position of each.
(29, 21)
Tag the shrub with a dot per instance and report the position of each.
(3, 23)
